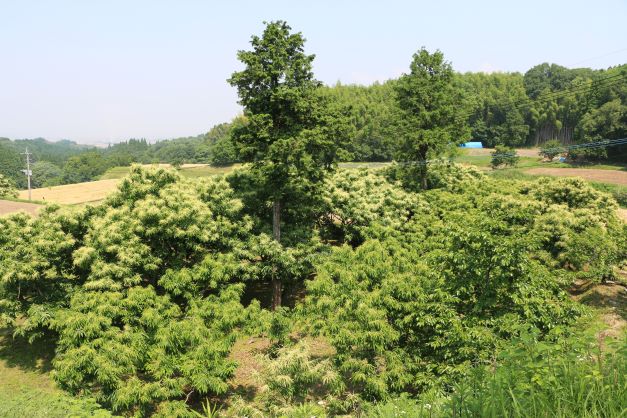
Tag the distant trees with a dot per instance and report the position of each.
(46, 174)
(84, 167)
(497, 107)
(426, 124)
(371, 113)
(511, 109)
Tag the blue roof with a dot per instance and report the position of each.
(472, 145)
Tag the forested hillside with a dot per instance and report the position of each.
(548, 102)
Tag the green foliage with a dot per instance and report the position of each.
(371, 113)
(606, 122)
(551, 149)
(356, 199)
(84, 167)
(427, 123)
(36, 270)
(7, 188)
(569, 377)
(46, 174)
(142, 294)
(292, 135)
(503, 156)
(39, 404)
(498, 105)
(294, 377)
(453, 177)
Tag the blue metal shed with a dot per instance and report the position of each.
(472, 145)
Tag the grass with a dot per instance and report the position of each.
(584, 375)
(26, 389)
(207, 171)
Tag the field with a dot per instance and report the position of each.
(27, 389)
(590, 174)
(9, 206)
(611, 177)
(71, 194)
(93, 191)
(187, 170)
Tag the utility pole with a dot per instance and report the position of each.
(28, 171)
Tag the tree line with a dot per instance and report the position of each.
(548, 102)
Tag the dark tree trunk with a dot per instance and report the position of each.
(277, 287)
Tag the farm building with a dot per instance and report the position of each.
(472, 145)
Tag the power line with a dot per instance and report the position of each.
(609, 81)
(598, 56)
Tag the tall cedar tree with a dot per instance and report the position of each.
(293, 135)
(427, 121)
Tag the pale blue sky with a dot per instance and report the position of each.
(100, 71)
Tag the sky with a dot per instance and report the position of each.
(104, 71)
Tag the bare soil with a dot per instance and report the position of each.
(610, 298)
(591, 174)
(523, 152)
(7, 206)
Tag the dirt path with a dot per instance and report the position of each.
(523, 152)
(7, 206)
(591, 174)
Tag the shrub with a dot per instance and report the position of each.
(503, 156)
(295, 377)
(453, 177)
(354, 200)
(7, 188)
(552, 149)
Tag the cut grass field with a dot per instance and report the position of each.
(70, 194)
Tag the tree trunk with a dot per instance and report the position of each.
(277, 287)
(423, 179)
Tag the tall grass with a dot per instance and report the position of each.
(572, 378)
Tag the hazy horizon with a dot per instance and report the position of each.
(105, 72)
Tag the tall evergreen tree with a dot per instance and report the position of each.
(293, 135)
(427, 122)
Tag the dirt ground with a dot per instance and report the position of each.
(610, 298)
(7, 206)
(591, 174)
(523, 152)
